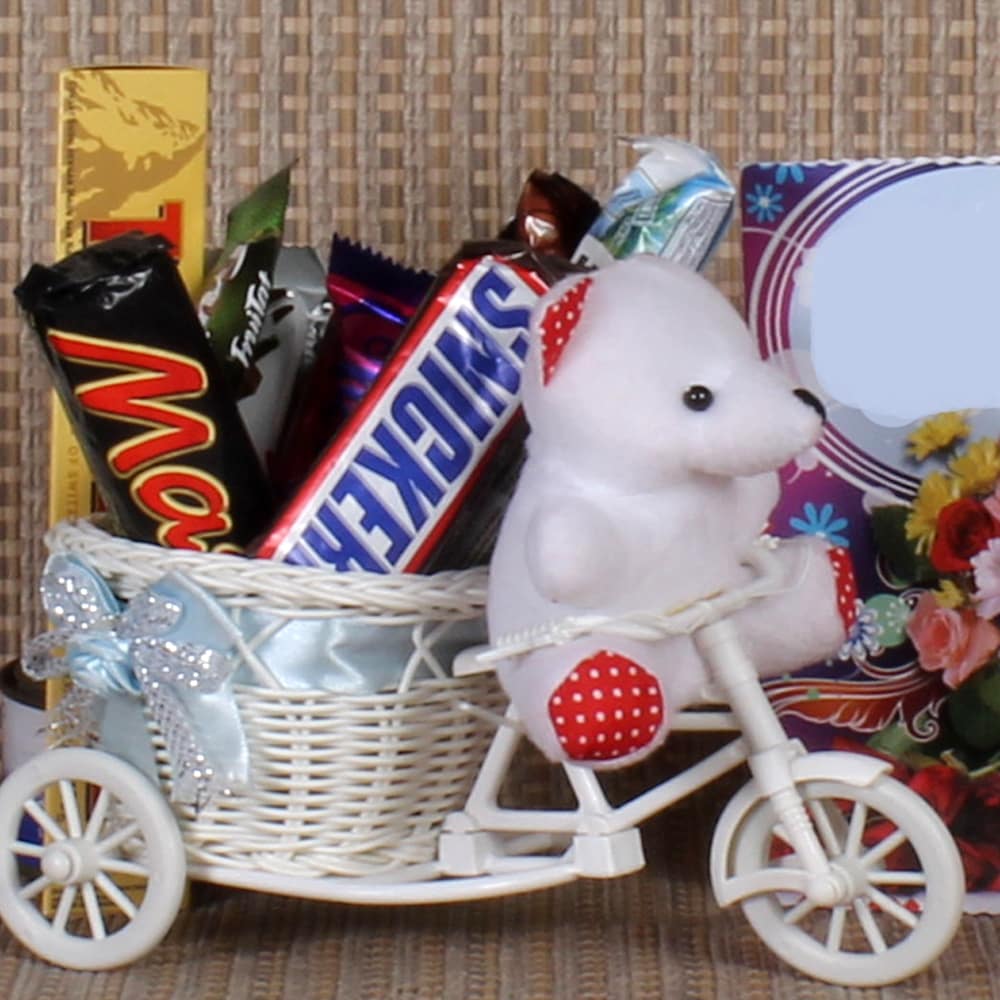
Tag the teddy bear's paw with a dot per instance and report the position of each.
(609, 707)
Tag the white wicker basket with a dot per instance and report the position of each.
(342, 784)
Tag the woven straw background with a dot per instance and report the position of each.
(414, 122)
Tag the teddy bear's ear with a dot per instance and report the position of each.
(558, 323)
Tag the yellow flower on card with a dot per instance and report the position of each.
(937, 433)
(936, 491)
(976, 470)
(949, 594)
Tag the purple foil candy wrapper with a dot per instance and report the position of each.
(373, 298)
(364, 352)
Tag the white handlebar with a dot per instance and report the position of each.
(649, 626)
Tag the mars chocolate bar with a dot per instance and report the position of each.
(146, 397)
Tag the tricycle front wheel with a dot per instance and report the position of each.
(92, 871)
(904, 872)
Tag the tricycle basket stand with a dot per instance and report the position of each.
(393, 796)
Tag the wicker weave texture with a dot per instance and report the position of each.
(413, 123)
(340, 784)
(349, 785)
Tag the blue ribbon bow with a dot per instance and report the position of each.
(171, 645)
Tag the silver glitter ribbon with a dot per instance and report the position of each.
(171, 645)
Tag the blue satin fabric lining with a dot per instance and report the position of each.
(180, 636)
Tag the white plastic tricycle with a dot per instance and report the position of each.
(843, 872)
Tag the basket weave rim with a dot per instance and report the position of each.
(302, 700)
(132, 565)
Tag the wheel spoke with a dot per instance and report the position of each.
(24, 849)
(888, 905)
(884, 848)
(781, 834)
(44, 820)
(115, 894)
(824, 827)
(891, 877)
(856, 829)
(96, 819)
(116, 839)
(93, 908)
(71, 808)
(33, 888)
(869, 926)
(64, 908)
(835, 932)
(801, 910)
(119, 866)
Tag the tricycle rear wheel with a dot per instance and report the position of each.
(92, 871)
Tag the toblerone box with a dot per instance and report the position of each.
(131, 156)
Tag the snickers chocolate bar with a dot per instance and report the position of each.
(388, 488)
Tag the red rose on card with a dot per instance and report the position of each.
(963, 529)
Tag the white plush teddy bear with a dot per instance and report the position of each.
(655, 433)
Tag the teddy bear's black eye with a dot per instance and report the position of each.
(697, 397)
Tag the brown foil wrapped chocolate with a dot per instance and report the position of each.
(146, 396)
(553, 214)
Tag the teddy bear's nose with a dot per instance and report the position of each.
(810, 400)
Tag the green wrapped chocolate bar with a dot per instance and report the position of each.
(238, 288)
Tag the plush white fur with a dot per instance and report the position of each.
(630, 499)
